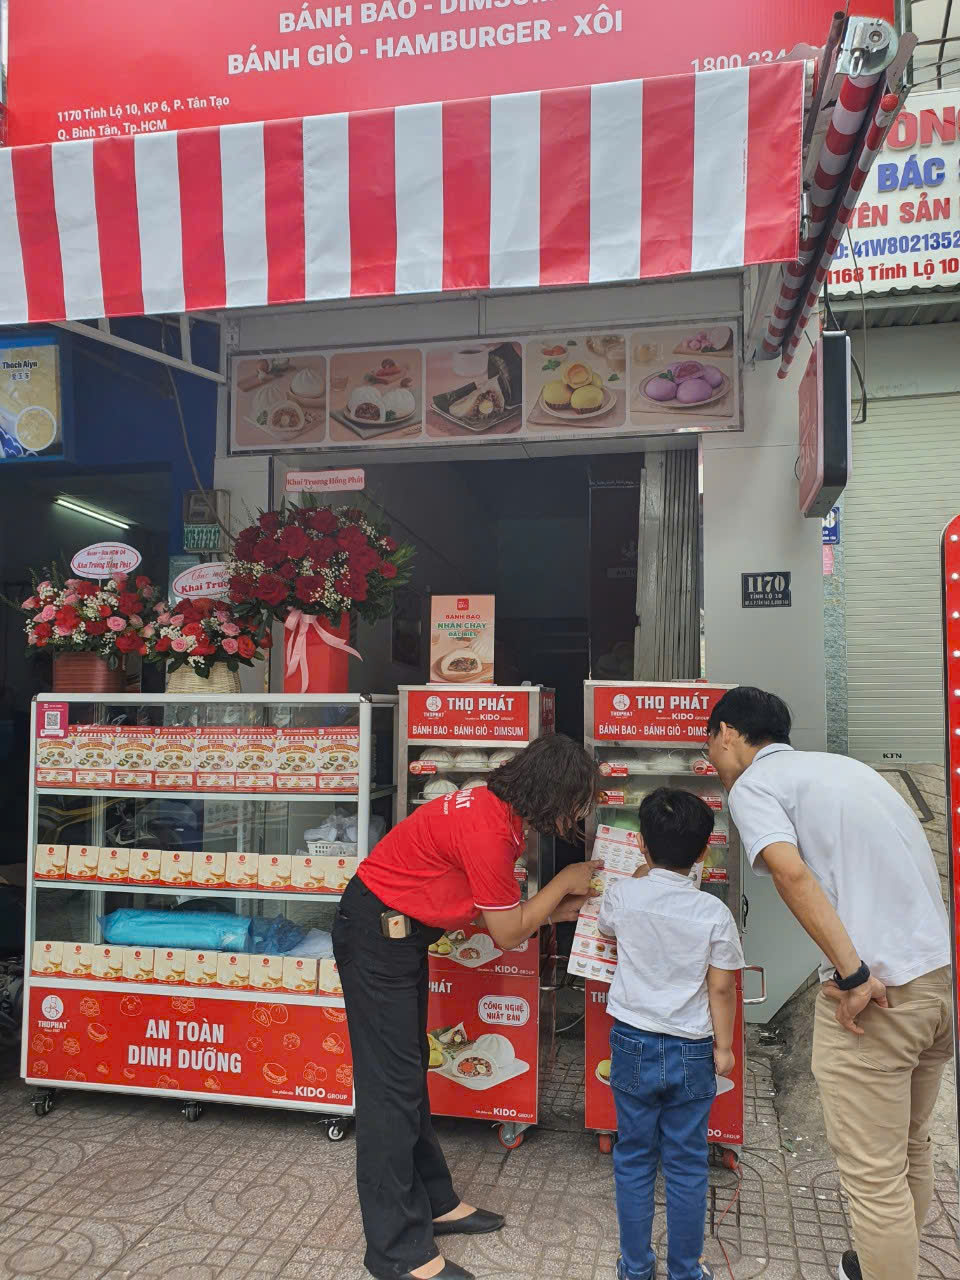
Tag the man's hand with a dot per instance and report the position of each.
(850, 1004)
(568, 909)
(576, 878)
(723, 1060)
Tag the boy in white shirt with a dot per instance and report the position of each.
(673, 1000)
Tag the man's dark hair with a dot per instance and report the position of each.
(675, 826)
(759, 717)
(552, 784)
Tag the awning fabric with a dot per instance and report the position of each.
(616, 182)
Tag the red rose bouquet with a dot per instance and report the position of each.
(318, 560)
(200, 632)
(73, 615)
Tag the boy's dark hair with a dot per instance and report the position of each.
(675, 826)
(759, 717)
(552, 784)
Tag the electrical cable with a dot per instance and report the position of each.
(943, 42)
(569, 1027)
(861, 374)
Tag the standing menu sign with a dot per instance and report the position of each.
(230, 61)
(951, 676)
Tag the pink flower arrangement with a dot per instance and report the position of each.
(203, 632)
(75, 615)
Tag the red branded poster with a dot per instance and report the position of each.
(650, 713)
(481, 717)
(228, 62)
(484, 1045)
(199, 1045)
(472, 949)
(726, 1117)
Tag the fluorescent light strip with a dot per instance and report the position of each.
(90, 513)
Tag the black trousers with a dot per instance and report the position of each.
(402, 1176)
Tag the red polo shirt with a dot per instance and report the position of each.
(450, 860)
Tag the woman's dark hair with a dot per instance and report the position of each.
(552, 784)
(757, 716)
(675, 826)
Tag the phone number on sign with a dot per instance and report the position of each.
(724, 61)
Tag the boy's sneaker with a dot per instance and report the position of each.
(706, 1273)
(850, 1267)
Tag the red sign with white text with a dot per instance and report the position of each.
(196, 1045)
(726, 1116)
(77, 71)
(486, 1030)
(494, 716)
(651, 712)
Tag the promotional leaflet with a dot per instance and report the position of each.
(191, 1043)
(461, 639)
(592, 955)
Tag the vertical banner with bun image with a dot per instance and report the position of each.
(461, 639)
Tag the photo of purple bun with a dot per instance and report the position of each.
(684, 369)
(661, 389)
(694, 391)
(712, 375)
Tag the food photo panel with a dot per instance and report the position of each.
(576, 384)
(474, 389)
(279, 401)
(685, 378)
(376, 395)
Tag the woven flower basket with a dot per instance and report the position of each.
(186, 683)
(86, 673)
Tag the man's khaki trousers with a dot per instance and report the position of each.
(878, 1092)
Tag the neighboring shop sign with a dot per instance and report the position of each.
(475, 716)
(906, 227)
(561, 386)
(635, 711)
(461, 639)
(766, 590)
(726, 1115)
(352, 481)
(31, 416)
(206, 1047)
(248, 60)
(831, 527)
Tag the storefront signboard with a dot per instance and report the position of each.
(31, 414)
(905, 229)
(826, 425)
(204, 1046)
(560, 386)
(211, 581)
(461, 639)
(245, 60)
(766, 589)
(636, 712)
(103, 559)
(496, 716)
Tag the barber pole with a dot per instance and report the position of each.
(950, 560)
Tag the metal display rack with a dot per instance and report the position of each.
(273, 1046)
(483, 1001)
(645, 736)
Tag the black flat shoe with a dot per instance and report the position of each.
(450, 1272)
(479, 1223)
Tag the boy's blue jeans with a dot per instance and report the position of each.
(664, 1088)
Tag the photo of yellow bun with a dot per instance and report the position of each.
(436, 1052)
(442, 947)
(587, 399)
(603, 1070)
(556, 395)
(576, 374)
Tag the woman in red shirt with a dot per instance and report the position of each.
(449, 863)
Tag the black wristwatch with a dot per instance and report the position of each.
(857, 979)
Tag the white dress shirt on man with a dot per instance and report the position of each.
(864, 845)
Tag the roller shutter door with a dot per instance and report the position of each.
(905, 487)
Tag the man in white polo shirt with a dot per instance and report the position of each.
(850, 860)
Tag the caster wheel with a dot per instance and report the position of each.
(605, 1143)
(193, 1111)
(509, 1138)
(336, 1132)
(42, 1106)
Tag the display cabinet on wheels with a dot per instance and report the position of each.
(185, 864)
(492, 1012)
(645, 736)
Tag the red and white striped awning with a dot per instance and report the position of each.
(615, 182)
